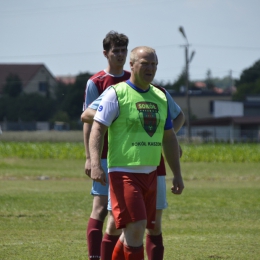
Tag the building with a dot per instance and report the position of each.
(35, 78)
(201, 104)
(215, 117)
(252, 106)
(227, 129)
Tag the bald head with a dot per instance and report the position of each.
(134, 55)
(143, 64)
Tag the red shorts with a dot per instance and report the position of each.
(161, 171)
(133, 197)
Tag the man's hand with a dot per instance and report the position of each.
(88, 167)
(178, 185)
(98, 175)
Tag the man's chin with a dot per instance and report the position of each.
(149, 79)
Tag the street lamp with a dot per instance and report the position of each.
(187, 62)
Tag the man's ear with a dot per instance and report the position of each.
(131, 65)
(105, 53)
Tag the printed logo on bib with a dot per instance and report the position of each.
(149, 116)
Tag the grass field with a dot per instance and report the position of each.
(45, 204)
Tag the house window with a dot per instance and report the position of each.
(43, 86)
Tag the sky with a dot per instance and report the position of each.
(66, 36)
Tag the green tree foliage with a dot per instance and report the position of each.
(250, 75)
(249, 82)
(181, 81)
(61, 92)
(67, 105)
(29, 107)
(3, 105)
(223, 83)
(13, 86)
(209, 80)
(60, 116)
(246, 89)
(176, 85)
(74, 98)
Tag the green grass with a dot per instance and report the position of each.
(75, 150)
(45, 205)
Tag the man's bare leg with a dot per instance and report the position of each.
(110, 238)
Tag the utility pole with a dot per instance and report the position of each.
(187, 62)
(231, 79)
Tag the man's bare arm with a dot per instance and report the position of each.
(177, 125)
(178, 122)
(96, 141)
(171, 152)
(88, 115)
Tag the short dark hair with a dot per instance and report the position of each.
(115, 39)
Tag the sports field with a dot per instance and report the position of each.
(45, 204)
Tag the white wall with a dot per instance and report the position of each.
(228, 108)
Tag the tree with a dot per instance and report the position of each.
(249, 82)
(209, 81)
(245, 89)
(28, 107)
(13, 85)
(73, 101)
(60, 116)
(181, 81)
(250, 75)
(3, 105)
(176, 85)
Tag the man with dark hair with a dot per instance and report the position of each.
(115, 50)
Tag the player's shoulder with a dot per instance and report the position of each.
(98, 75)
(159, 87)
(127, 73)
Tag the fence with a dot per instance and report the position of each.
(224, 134)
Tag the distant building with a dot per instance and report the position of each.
(35, 78)
(201, 103)
(215, 117)
(67, 80)
(229, 128)
(227, 108)
(252, 106)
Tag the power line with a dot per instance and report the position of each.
(227, 47)
(245, 48)
(81, 7)
(49, 55)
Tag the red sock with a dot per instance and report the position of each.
(134, 253)
(118, 253)
(107, 246)
(154, 247)
(94, 238)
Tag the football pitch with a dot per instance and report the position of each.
(45, 205)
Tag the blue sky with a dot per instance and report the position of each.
(67, 35)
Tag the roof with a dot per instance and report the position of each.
(223, 121)
(24, 71)
(66, 79)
